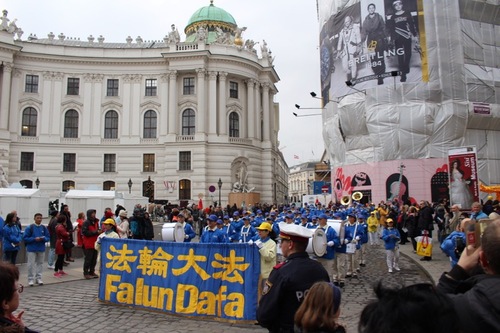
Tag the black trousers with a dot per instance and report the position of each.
(90, 261)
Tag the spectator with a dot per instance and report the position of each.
(454, 244)
(477, 298)
(10, 288)
(425, 223)
(69, 228)
(90, 231)
(109, 227)
(477, 211)
(11, 238)
(320, 310)
(122, 224)
(413, 309)
(62, 235)
(35, 237)
(51, 259)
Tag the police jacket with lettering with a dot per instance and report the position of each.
(285, 290)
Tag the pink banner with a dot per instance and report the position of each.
(464, 185)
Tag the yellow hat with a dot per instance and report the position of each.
(109, 221)
(265, 226)
(389, 220)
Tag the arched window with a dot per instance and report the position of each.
(68, 185)
(184, 189)
(234, 125)
(30, 117)
(108, 185)
(188, 122)
(150, 124)
(71, 124)
(111, 125)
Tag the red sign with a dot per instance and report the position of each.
(324, 188)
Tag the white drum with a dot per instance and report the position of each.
(335, 224)
(172, 232)
(317, 244)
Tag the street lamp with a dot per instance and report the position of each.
(129, 185)
(219, 183)
(37, 182)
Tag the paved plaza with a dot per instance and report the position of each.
(70, 304)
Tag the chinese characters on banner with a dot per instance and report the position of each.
(208, 280)
(464, 184)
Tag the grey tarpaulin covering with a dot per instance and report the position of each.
(417, 119)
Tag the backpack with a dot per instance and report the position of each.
(134, 228)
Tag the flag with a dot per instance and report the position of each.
(200, 204)
(296, 157)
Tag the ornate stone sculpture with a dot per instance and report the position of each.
(173, 36)
(201, 34)
(3, 179)
(241, 183)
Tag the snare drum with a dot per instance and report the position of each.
(173, 232)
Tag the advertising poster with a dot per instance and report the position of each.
(368, 43)
(218, 281)
(464, 183)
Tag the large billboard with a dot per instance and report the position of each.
(370, 43)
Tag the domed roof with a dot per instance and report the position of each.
(211, 13)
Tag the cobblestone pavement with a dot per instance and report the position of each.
(73, 306)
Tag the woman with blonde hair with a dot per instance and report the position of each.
(320, 310)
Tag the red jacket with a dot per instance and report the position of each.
(62, 235)
(90, 230)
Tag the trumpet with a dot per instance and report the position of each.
(345, 201)
(356, 196)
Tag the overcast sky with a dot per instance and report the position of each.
(290, 28)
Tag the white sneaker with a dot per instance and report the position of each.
(30, 283)
(51, 266)
(397, 268)
(39, 282)
(390, 270)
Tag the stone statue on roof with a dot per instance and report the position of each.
(201, 34)
(173, 36)
(4, 21)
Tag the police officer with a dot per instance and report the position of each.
(289, 281)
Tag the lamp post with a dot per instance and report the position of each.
(219, 183)
(129, 185)
(37, 182)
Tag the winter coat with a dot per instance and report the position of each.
(31, 233)
(12, 237)
(62, 235)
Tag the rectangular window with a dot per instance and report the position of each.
(109, 162)
(73, 86)
(188, 86)
(148, 163)
(151, 87)
(112, 87)
(69, 162)
(185, 160)
(31, 84)
(27, 161)
(233, 89)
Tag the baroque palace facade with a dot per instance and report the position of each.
(164, 119)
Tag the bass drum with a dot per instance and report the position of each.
(317, 244)
(335, 224)
(172, 232)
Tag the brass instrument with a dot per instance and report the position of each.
(356, 196)
(345, 201)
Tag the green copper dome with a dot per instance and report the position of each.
(210, 18)
(211, 13)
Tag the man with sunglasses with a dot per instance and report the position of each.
(289, 281)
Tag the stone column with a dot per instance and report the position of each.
(5, 95)
(222, 103)
(162, 117)
(172, 104)
(266, 114)
(257, 113)
(250, 109)
(212, 103)
(202, 109)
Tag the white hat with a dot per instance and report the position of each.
(123, 213)
(295, 232)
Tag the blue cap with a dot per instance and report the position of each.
(245, 218)
(289, 216)
(226, 217)
(213, 217)
(236, 213)
(273, 213)
(219, 221)
(323, 216)
(259, 211)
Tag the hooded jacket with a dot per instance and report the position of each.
(90, 230)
